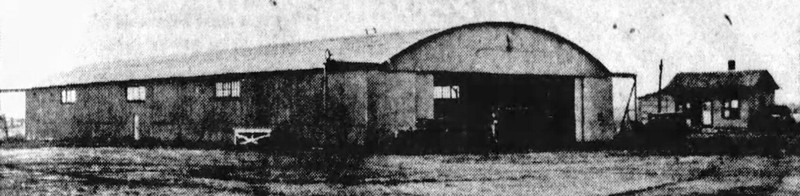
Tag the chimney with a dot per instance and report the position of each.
(731, 65)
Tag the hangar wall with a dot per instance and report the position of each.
(594, 110)
(384, 102)
(174, 108)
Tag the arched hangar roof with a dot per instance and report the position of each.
(498, 47)
(489, 47)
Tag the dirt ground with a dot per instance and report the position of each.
(126, 171)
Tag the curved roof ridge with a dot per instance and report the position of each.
(542, 31)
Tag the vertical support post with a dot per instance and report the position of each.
(636, 98)
(660, 73)
(327, 63)
(325, 86)
(136, 135)
(583, 109)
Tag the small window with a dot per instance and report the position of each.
(228, 89)
(446, 92)
(683, 107)
(68, 96)
(137, 93)
(730, 109)
(707, 113)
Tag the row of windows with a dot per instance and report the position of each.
(228, 89)
(68, 96)
(139, 93)
(730, 108)
(446, 92)
(232, 89)
(136, 93)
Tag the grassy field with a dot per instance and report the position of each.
(126, 171)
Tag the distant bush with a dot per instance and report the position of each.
(657, 134)
(436, 137)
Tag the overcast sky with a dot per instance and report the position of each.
(42, 37)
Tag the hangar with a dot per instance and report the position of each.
(542, 87)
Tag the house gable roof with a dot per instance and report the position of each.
(714, 81)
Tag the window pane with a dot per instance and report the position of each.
(63, 96)
(235, 89)
(454, 92)
(437, 92)
(219, 89)
(69, 96)
(142, 93)
(226, 89)
(735, 103)
(726, 113)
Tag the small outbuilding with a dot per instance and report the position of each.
(717, 101)
(542, 88)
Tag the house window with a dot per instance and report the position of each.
(730, 109)
(683, 107)
(68, 96)
(707, 113)
(136, 93)
(446, 92)
(228, 89)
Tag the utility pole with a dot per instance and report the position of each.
(660, 73)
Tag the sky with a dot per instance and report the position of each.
(37, 41)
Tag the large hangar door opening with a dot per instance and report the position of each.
(531, 111)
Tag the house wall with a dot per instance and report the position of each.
(593, 109)
(719, 122)
(751, 102)
(183, 108)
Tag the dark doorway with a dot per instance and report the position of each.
(531, 111)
